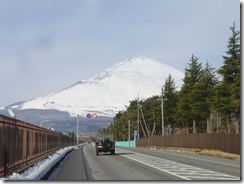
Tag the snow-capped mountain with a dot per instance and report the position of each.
(109, 91)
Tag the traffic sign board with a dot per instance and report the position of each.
(88, 115)
(94, 115)
(135, 134)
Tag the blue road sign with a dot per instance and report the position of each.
(88, 115)
(135, 135)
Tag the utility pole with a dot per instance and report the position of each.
(162, 107)
(138, 118)
(77, 137)
(123, 125)
(129, 132)
(145, 124)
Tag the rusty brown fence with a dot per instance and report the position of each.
(22, 144)
(230, 143)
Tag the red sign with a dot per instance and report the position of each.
(89, 115)
(94, 115)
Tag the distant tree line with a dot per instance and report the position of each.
(206, 102)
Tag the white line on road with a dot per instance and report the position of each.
(199, 159)
(182, 171)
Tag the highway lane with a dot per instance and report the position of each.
(148, 164)
(118, 167)
(225, 166)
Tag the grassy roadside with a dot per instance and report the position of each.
(216, 153)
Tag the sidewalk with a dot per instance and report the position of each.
(75, 167)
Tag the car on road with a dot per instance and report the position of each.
(105, 143)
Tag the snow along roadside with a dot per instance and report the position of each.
(38, 170)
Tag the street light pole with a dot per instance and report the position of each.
(49, 126)
(43, 122)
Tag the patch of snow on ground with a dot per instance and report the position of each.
(38, 170)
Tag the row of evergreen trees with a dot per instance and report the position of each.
(208, 101)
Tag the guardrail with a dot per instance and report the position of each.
(22, 144)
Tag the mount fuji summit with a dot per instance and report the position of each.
(108, 92)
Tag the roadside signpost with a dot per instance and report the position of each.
(89, 116)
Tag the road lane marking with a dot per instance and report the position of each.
(182, 171)
(199, 159)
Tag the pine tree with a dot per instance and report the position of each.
(231, 66)
(187, 110)
(152, 114)
(170, 101)
(207, 83)
(205, 92)
(228, 91)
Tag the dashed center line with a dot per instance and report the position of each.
(182, 171)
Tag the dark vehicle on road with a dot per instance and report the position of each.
(105, 143)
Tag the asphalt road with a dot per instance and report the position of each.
(129, 164)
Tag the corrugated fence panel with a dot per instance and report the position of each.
(1, 151)
(225, 142)
(22, 143)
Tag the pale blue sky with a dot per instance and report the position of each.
(47, 45)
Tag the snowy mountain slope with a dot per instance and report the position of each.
(109, 91)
